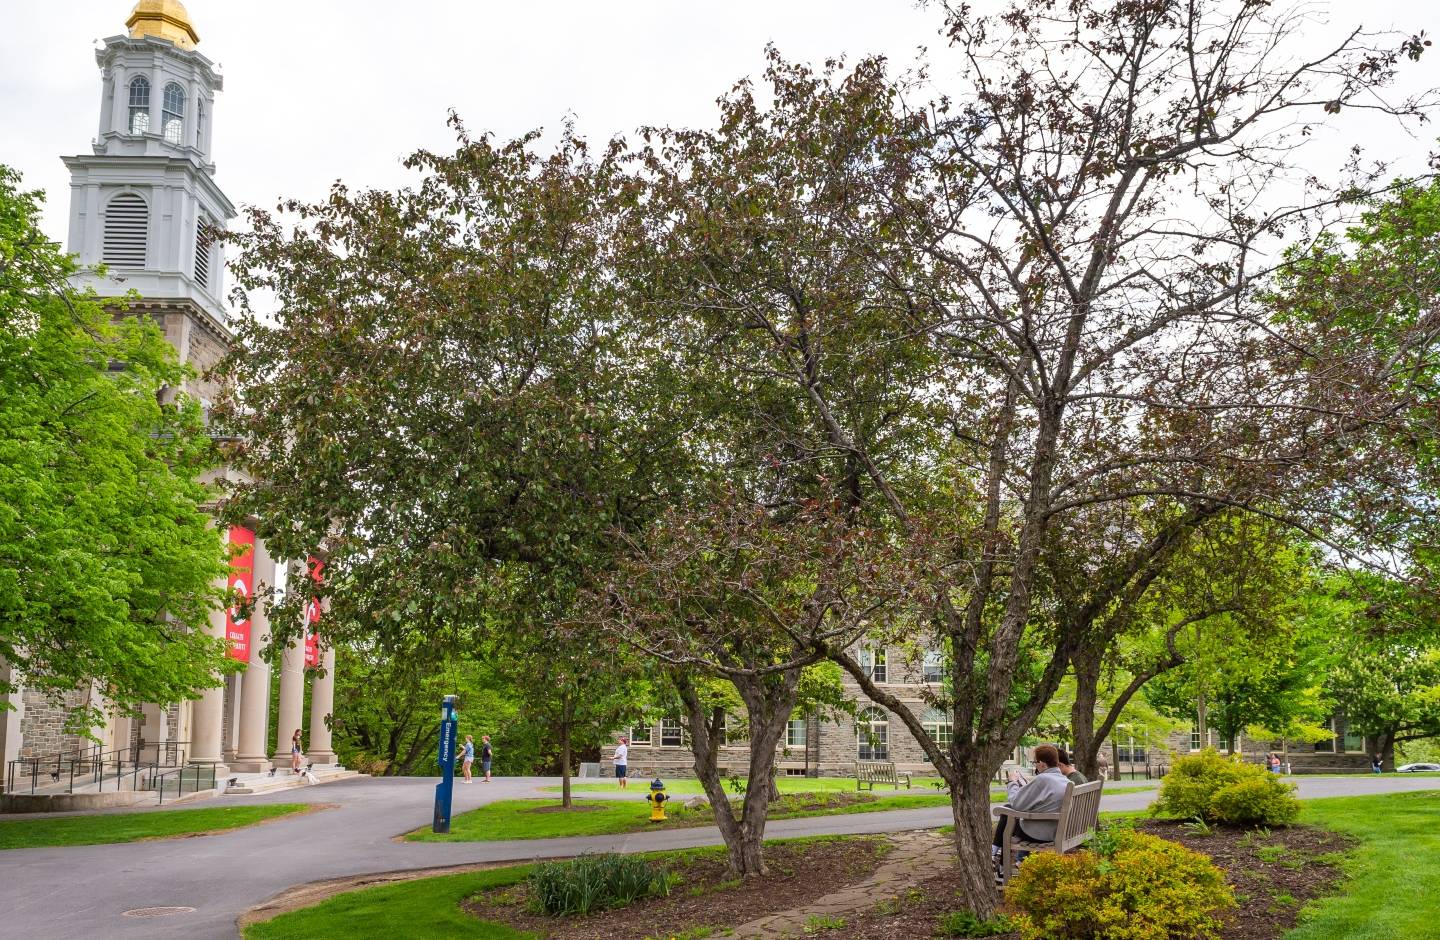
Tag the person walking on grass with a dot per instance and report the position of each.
(295, 752)
(622, 759)
(468, 756)
(486, 754)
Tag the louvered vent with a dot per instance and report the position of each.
(202, 254)
(127, 225)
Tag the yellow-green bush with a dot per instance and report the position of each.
(1148, 889)
(1217, 788)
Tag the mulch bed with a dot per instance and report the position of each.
(1273, 875)
(705, 896)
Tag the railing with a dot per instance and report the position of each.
(138, 766)
(201, 777)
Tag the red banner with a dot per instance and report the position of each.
(312, 616)
(242, 582)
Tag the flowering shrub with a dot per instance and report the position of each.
(1147, 889)
(1216, 788)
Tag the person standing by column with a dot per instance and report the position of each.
(469, 756)
(622, 758)
(486, 754)
(295, 752)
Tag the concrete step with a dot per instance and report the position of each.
(284, 780)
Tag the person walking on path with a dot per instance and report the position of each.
(295, 752)
(468, 756)
(1274, 763)
(622, 759)
(486, 753)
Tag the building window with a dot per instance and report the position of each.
(939, 726)
(872, 731)
(795, 733)
(934, 666)
(640, 734)
(670, 733)
(139, 105)
(1195, 742)
(1327, 746)
(203, 243)
(127, 228)
(172, 122)
(872, 661)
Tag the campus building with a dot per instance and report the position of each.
(145, 203)
(814, 747)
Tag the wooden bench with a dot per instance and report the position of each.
(870, 772)
(1074, 825)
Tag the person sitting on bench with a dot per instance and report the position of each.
(1044, 794)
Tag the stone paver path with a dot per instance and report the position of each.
(916, 857)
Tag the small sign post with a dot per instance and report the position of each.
(445, 789)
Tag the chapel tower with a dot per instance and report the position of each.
(145, 203)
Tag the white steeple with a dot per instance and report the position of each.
(145, 201)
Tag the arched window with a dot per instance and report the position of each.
(127, 229)
(172, 124)
(872, 729)
(200, 123)
(204, 240)
(139, 104)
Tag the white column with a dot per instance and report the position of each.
(10, 720)
(152, 732)
(254, 709)
(291, 714)
(322, 706)
(207, 713)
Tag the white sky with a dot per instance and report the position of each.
(319, 90)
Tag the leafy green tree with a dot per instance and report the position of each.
(108, 561)
(981, 323)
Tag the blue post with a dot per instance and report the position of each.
(445, 789)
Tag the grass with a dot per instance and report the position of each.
(429, 908)
(543, 819)
(131, 827)
(1394, 874)
(423, 909)
(689, 786)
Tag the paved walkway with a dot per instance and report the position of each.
(84, 890)
(917, 856)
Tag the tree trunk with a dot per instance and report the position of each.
(565, 755)
(1085, 752)
(974, 833)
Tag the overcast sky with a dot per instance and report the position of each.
(319, 90)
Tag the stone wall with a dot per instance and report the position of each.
(42, 727)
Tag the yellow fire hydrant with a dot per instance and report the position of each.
(657, 797)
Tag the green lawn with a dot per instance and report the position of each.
(689, 786)
(424, 909)
(128, 827)
(543, 819)
(1394, 875)
(429, 908)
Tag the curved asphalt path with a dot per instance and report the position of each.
(83, 890)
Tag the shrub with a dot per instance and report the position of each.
(966, 924)
(1215, 788)
(594, 882)
(1256, 801)
(1147, 889)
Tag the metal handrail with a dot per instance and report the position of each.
(94, 762)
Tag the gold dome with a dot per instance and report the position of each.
(164, 19)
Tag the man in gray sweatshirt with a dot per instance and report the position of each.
(1041, 795)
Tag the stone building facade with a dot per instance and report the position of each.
(831, 749)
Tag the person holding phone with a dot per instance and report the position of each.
(1044, 794)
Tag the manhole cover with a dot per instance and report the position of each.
(157, 911)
